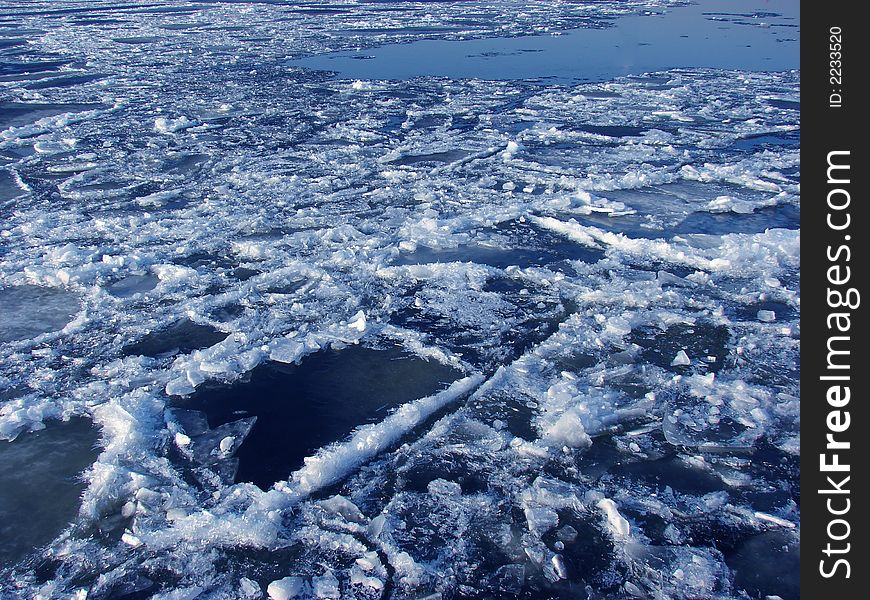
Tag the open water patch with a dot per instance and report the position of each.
(183, 336)
(301, 408)
(27, 311)
(41, 485)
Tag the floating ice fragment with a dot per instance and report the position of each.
(766, 316)
(369, 562)
(443, 488)
(773, 519)
(284, 589)
(287, 351)
(27, 311)
(617, 524)
(326, 586)
(226, 444)
(568, 431)
(681, 359)
(510, 150)
(216, 445)
(541, 519)
(559, 566)
(358, 322)
(131, 540)
(181, 439)
(339, 505)
(249, 589)
(166, 126)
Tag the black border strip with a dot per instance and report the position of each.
(834, 233)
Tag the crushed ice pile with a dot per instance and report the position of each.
(594, 290)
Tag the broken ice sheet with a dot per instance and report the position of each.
(274, 200)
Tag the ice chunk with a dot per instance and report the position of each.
(168, 126)
(326, 586)
(132, 285)
(340, 505)
(286, 588)
(568, 431)
(222, 441)
(358, 322)
(193, 422)
(559, 568)
(226, 444)
(541, 519)
(681, 359)
(249, 589)
(766, 316)
(617, 524)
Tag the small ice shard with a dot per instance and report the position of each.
(131, 540)
(775, 520)
(326, 586)
(287, 351)
(284, 589)
(221, 442)
(377, 526)
(166, 126)
(181, 439)
(559, 566)
(632, 590)
(193, 422)
(358, 322)
(249, 588)
(568, 431)
(132, 285)
(226, 444)
(766, 316)
(444, 488)
(358, 577)
(369, 562)
(339, 505)
(511, 149)
(541, 519)
(681, 359)
(617, 524)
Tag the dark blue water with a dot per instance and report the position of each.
(40, 484)
(730, 34)
(300, 408)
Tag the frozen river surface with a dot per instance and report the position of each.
(399, 299)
